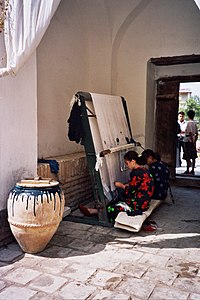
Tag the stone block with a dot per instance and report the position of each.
(76, 290)
(47, 283)
(17, 293)
(160, 293)
(22, 275)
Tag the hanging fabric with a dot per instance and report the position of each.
(75, 130)
(25, 25)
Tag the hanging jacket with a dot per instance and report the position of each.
(75, 132)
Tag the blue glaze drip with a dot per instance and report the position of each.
(35, 192)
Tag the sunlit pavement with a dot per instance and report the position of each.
(182, 169)
(93, 262)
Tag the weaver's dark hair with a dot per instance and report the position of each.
(148, 152)
(131, 155)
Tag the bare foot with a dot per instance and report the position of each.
(88, 211)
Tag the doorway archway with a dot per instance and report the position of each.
(163, 81)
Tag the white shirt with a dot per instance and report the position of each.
(183, 127)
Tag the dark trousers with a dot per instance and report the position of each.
(179, 147)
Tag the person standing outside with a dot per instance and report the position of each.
(180, 136)
(190, 139)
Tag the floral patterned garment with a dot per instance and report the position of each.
(137, 195)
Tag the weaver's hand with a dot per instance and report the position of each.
(119, 185)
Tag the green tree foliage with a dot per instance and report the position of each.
(194, 104)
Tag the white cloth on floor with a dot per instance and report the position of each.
(134, 223)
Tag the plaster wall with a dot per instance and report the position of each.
(18, 127)
(73, 56)
(103, 47)
(160, 29)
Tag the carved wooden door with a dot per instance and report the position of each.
(167, 101)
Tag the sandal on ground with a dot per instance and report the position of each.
(149, 226)
(192, 173)
(84, 210)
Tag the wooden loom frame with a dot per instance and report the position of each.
(99, 197)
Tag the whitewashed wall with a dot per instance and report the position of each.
(18, 128)
(162, 28)
(90, 45)
(73, 56)
(103, 47)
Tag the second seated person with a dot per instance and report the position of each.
(160, 173)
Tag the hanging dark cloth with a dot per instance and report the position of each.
(75, 132)
(54, 166)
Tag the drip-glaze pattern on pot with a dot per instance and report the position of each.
(35, 196)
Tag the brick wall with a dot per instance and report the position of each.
(73, 176)
(74, 180)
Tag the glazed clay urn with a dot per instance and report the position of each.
(35, 210)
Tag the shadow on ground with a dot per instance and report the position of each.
(178, 227)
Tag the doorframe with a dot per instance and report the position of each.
(176, 68)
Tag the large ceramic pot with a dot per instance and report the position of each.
(35, 209)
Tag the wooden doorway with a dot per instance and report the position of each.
(164, 76)
(167, 101)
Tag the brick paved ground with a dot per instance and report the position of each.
(92, 262)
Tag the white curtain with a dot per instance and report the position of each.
(25, 25)
(197, 3)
